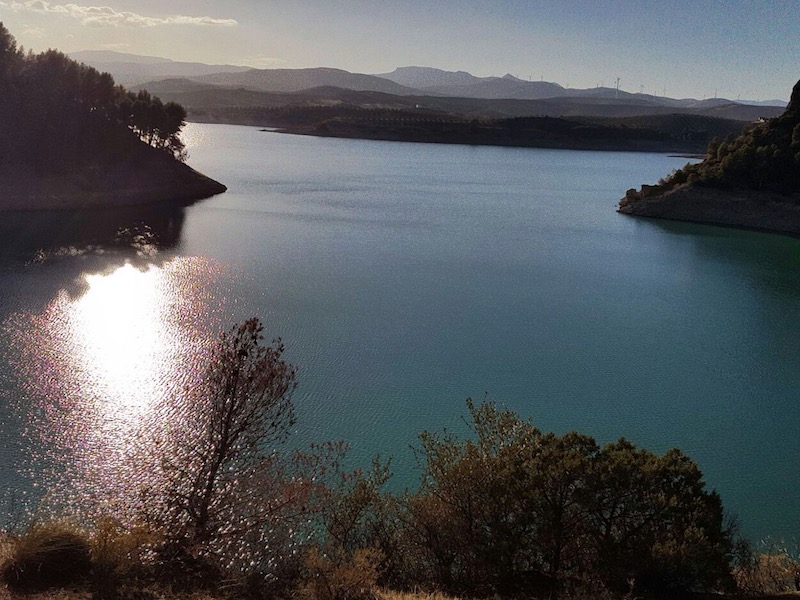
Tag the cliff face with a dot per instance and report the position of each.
(151, 177)
(750, 181)
(71, 138)
(734, 208)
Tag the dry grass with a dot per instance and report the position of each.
(47, 556)
(382, 594)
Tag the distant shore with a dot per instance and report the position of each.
(674, 134)
(488, 136)
(154, 179)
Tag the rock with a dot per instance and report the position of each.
(734, 208)
(150, 178)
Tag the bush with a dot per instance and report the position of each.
(515, 508)
(47, 556)
(332, 578)
(118, 553)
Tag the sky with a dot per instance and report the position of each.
(748, 49)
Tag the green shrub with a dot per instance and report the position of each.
(513, 509)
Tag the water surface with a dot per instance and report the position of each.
(404, 278)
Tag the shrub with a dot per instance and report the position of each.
(337, 578)
(118, 553)
(46, 556)
(514, 508)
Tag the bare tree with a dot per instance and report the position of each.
(218, 453)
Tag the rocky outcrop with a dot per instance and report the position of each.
(750, 181)
(734, 208)
(149, 179)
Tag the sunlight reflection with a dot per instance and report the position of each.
(123, 339)
(96, 366)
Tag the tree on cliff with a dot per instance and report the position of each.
(55, 110)
(765, 157)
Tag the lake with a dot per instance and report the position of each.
(404, 278)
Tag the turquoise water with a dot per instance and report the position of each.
(404, 278)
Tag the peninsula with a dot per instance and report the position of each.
(749, 181)
(72, 139)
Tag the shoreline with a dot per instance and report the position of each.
(154, 180)
(574, 145)
(466, 134)
(744, 209)
(533, 132)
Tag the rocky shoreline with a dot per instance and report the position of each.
(732, 208)
(153, 179)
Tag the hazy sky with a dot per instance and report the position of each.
(688, 48)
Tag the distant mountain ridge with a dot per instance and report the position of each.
(134, 70)
(131, 70)
(297, 80)
(425, 77)
(466, 85)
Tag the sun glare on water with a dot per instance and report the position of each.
(122, 337)
(95, 366)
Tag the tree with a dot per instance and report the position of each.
(514, 507)
(56, 113)
(226, 433)
(216, 481)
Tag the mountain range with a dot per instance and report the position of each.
(132, 70)
(135, 71)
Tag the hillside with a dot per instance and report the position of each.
(217, 103)
(749, 181)
(200, 86)
(132, 70)
(70, 138)
(295, 80)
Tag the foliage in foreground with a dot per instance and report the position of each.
(516, 508)
(508, 510)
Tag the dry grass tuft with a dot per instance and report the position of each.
(382, 594)
(50, 555)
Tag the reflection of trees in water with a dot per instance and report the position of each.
(747, 283)
(769, 262)
(45, 233)
(67, 244)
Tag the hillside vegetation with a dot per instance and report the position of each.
(752, 180)
(68, 130)
(766, 157)
(55, 110)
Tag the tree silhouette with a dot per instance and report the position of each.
(55, 111)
